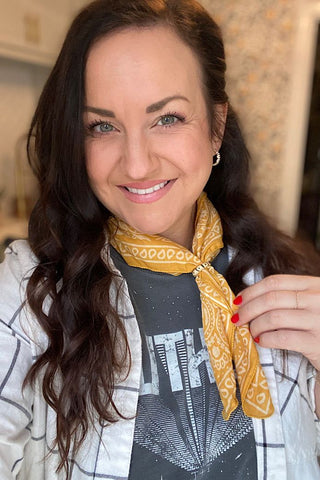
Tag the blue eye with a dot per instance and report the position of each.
(100, 127)
(168, 120)
(103, 128)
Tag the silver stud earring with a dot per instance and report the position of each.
(218, 158)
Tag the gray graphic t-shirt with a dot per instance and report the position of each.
(180, 433)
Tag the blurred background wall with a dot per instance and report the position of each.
(261, 38)
(31, 32)
(273, 58)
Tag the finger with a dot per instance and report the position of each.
(302, 342)
(273, 300)
(280, 282)
(278, 300)
(285, 320)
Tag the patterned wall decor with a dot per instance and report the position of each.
(259, 38)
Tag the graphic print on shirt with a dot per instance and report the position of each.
(179, 424)
(180, 433)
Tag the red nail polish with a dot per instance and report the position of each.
(238, 300)
(235, 318)
(257, 339)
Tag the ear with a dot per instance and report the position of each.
(220, 118)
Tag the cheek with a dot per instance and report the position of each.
(94, 171)
(193, 152)
(102, 157)
(199, 159)
(96, 164)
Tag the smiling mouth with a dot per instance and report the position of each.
(146, 191)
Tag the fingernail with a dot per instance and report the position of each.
(238, 300)
(257, 339)
(235, 318)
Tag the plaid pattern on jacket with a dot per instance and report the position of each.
(287, 443)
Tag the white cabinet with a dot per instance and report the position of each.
(33, 30)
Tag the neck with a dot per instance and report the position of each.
(183, 234)
(183, 238)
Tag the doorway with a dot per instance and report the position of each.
(309, 215)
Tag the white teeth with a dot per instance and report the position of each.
(144, 191)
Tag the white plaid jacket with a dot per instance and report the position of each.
(286, 443)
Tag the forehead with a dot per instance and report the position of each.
(140, 60)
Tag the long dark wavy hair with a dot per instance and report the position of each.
(66, 229)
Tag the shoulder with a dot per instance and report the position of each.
(19, 261)
(15, 271)
(17, 354)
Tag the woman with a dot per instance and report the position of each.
(130, 364)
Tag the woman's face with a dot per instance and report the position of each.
(148, 145)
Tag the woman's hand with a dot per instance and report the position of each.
(283, 311)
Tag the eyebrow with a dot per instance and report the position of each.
(100, 111)
(158, 105)
(154, 107)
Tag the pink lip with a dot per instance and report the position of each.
(143, 185)
(149, 197)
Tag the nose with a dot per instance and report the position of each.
(138, 160)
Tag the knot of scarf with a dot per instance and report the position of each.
(230, 348)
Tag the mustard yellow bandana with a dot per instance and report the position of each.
(225, 342)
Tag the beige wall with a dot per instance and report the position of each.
(260, 38)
